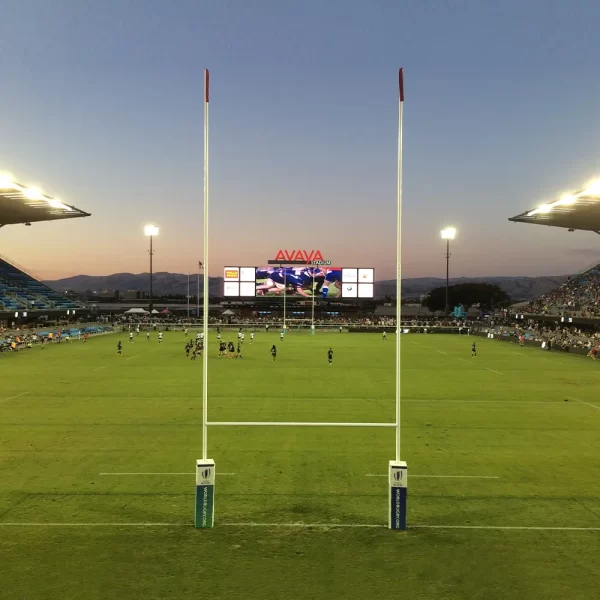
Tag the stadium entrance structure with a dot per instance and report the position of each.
(205, 467)
(22, 296)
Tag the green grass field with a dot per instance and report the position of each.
(490, 443)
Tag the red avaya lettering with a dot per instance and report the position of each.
(299, 255)
(318, 256)
(280, 256)
(289, 255)
(310, 256)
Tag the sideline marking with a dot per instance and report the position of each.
(494, 371)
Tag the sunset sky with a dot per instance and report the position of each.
(102, 106)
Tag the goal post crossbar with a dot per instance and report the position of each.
(294, 424)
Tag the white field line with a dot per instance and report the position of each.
(505, 527)
(102, 367)
(294, 424)
(494, 371)
(14, 397)
(391, 400)
(130, 357)
(586, 403)
(442, 352)
(440, 476)
(465, 360)
(95, 524)
(216, 398)
(187, 473)
(306, 526)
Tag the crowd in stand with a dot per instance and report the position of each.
(579, 296)
(558, 336)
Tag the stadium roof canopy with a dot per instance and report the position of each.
(580, 210)
(22, 204)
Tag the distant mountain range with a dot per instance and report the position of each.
(518, 288)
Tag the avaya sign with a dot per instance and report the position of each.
(300, 255)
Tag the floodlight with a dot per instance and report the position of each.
(151, 230)
(566, 200)
(6, 182)
(593, 189)
(449, 233)
(32, 194)
(544, 209)
(58, 204)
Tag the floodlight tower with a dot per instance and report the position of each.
(448, 234)
(150, 231)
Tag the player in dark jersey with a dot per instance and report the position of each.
(188, 347)
(231, 349)
(473, 350)
(222, 348)
(274, 351)
(119, 349)
(330, 356)
(239, 351)
(194, 352)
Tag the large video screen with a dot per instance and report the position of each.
(299, 280)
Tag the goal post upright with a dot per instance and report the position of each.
(205, 468)
(398, 471)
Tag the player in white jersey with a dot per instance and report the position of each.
(252, 337)
(137, 330)
(384, 335)
(198, 337)
(131, 337)
(148, 335)
(281, 335)
(243, 337)
(185, 332)
(160, 337)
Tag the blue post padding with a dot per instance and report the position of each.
(398, 504)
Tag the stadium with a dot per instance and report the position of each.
(261, 443)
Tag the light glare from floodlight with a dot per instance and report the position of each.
(544, 209)
(150, 230)
(449, 233)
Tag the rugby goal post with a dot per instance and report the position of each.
(397, 469)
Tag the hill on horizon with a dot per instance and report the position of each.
(518, 288)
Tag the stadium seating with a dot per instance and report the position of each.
(19, 291)
(579, 296)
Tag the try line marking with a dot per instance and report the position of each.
(441, 476)
(187, 473)
(307, 526)
(14, 397)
